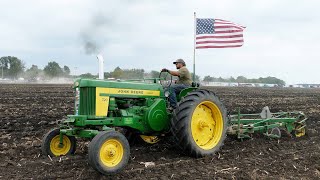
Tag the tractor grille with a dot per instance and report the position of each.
(87, 101)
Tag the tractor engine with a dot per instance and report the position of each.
(133, 105)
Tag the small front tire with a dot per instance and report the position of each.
(51, 144)
(109, 152)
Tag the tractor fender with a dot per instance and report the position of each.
(185, 91)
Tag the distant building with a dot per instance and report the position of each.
(234, 84)
(307, 85)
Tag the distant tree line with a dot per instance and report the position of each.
(13, 68)
(242, 79)
(119, 73)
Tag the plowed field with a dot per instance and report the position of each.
(27, 112)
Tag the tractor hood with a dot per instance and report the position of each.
(122, 87)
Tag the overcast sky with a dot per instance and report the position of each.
(281, 38)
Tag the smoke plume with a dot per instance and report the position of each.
(94, 37)
(90, 47)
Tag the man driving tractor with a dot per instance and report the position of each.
(183, 82)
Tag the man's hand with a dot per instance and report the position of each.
(164, 70)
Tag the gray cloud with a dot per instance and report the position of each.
(280, 38)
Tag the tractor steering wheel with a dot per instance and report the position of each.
(165, 81)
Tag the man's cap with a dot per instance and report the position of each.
(179, 61)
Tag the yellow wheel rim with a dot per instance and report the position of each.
(301, 132)
(58, 150)
(150, 139)
(207, 125)
(111, 152)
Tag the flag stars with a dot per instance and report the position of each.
(217, 33)
(205, 26)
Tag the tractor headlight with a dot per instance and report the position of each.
(166, 93)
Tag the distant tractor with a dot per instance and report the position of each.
(109, 112)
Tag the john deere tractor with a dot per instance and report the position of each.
(109, 112)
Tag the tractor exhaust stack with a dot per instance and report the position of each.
(101, 61)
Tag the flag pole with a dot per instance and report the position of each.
(194, 48)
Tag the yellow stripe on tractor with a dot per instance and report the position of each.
(103, 94)
(141, 92)
(102, 103)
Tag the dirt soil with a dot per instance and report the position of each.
(27, 112)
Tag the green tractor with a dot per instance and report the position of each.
(109, 112)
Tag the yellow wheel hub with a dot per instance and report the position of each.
(301, 132)
(207, 125)
(111, 153)
(150, 139)
(58, 149)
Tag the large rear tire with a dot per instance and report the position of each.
(51, 144)
(199, 123)
(109, 152)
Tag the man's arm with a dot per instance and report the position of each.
(174, 73)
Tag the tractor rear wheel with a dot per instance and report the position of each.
(199, 123)
(109, 152)
(51, 144)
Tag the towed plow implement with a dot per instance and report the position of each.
(267, 123)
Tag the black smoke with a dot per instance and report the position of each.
(93, 37)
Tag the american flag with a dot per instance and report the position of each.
(218, 33)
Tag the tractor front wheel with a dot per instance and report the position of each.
(109, 152)
(199, 123)
(51, 144)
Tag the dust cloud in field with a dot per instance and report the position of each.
(51, 81)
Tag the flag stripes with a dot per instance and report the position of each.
(218, 33)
